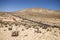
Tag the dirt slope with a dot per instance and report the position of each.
(30, 24)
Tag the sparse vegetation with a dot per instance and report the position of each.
(22, 29)
(30, 23)
(15, 34)
(10, 28)
(37, 31)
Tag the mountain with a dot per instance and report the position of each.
(40, 14)
(30, 24)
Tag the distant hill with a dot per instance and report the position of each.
(40, 14)
(37, 14)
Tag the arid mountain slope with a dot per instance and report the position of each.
(30, 24)
(39, 14)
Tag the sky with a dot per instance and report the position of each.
(14, 5)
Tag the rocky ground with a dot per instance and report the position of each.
(13, 27)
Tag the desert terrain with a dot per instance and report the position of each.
(30, 24)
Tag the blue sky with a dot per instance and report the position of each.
(14, 5)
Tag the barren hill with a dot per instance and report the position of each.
(30, 24)
(40, 14)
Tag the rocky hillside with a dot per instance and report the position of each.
(39, 14)
(30, 24)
